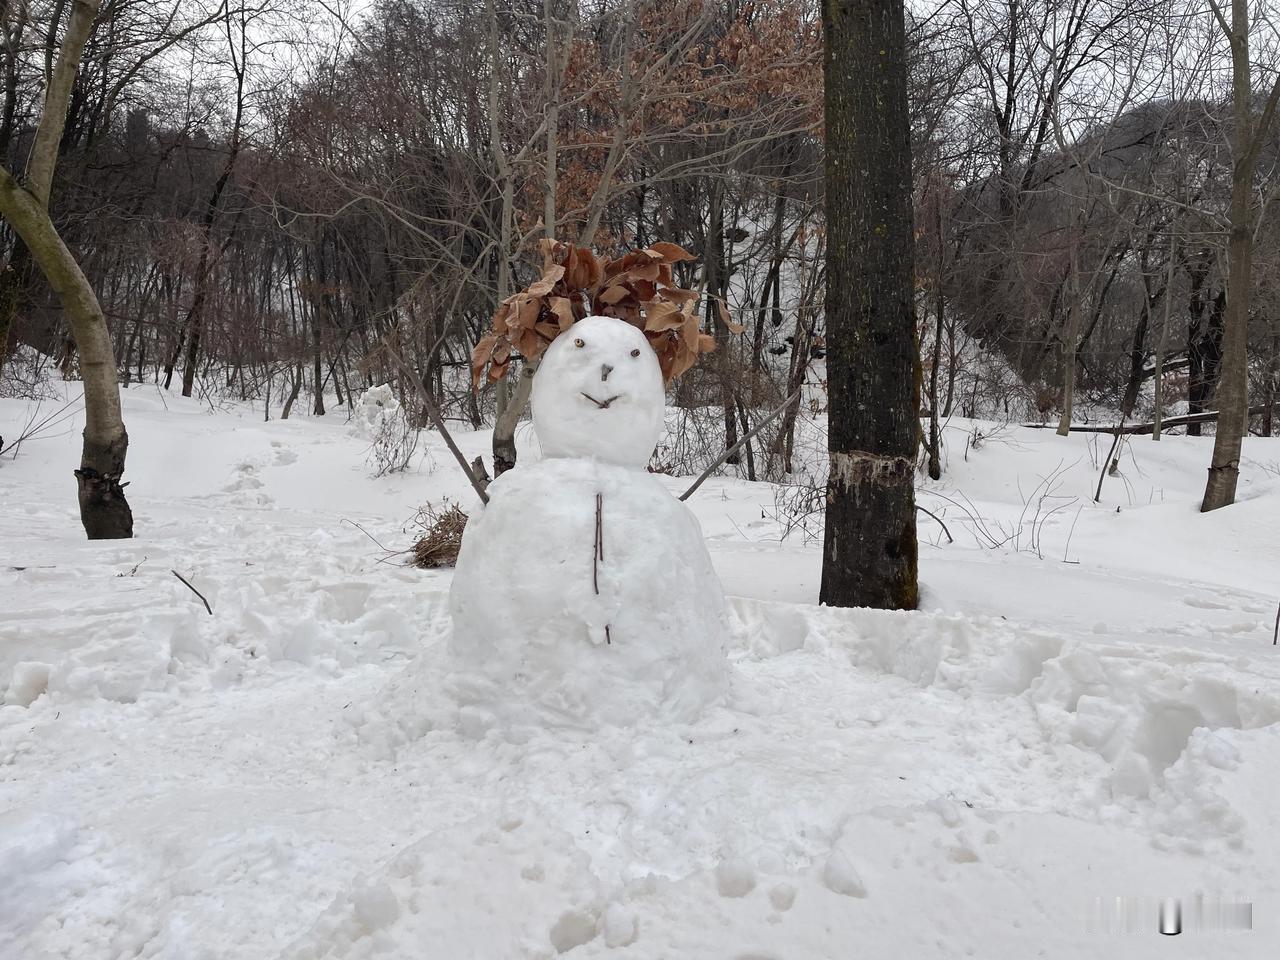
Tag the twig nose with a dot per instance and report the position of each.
(605, 370)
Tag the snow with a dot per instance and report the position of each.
(601, 400)
(1090, 710)
(546, 635)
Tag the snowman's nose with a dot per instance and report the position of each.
(605, 370)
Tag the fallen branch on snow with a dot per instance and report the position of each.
(1209, 416)
(193, 590)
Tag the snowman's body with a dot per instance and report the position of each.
(583, 592)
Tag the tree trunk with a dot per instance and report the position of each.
(1138, 350)
(935, 440)
(294, 390)
(1163, 343)
(1070, 339)
(1273, 380)
(1232, 398)
(713, 257)
(1204, 352)
(504, 431)
(870, 549)
(104, 511)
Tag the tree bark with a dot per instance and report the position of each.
(870, 548)
(1233, 384)
(1070, 337)
(1163, 343)
(43, 158)
(104, 511)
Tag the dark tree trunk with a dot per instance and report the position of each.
(15, 279)
(104, 511)
(1138, 353)
(870, 550)
(935, 440)
(717, 286)
(1204, 355)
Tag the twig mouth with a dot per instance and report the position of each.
(602, 404)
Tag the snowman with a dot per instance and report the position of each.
(583, 593)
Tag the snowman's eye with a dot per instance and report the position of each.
(579, 342)
(635, 352)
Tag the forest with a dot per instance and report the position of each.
(277, 202)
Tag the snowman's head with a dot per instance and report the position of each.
(598, 393)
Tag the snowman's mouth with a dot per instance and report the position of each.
(602, 404)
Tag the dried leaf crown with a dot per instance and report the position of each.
(639, 288)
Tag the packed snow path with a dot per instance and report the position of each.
(964, 781)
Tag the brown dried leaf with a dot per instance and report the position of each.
(644, 290)
(678, 295)
(671, 252)
(706, 343)
(614, 294)
(528, 314)
(645, 271)
(683, 361)
(689, 331)
(530, 345)
(547, 247)
(480, 356)
(550, 276)
(660, 317)
(666, 361)
(590, 271)
(728, 320)
(563, 309)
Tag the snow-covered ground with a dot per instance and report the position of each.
(1091, 710)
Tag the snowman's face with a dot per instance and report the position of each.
(598, 393)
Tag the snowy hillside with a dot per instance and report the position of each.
(1087, 706)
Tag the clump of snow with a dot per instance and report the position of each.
(381, 419)
(602, 399)
(735, 877)
(27, 682)
(621, 926)
(841, 876)
(375, 406)
(583, 593)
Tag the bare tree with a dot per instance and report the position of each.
(870, 550)
(1247, 140)
(104, 511)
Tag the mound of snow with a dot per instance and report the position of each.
(546, 633)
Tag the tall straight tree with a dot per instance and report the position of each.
(870, 551)
(1246, 144)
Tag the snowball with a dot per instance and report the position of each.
(573, 929)
(620, 926)
(598, 400)
(547, 634)
(735, 878)
(375, 905)
(29, 680)
(783, 896)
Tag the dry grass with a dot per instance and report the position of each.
(441, 537)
